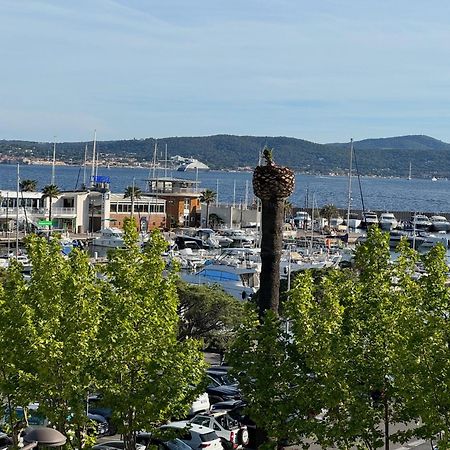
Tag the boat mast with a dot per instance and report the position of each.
(349, 199)
(84, 167)
(53, 160)
(409, 174)
(93, 159)
(165, 164)
(217, 192)
(17, 214)
(155, 157)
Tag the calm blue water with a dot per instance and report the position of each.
(379, 193)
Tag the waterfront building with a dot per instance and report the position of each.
(232, 216)
(80, 211)
(182, 200)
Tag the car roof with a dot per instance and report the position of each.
(200, 429)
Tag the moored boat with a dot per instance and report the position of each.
(388, 221)
(439, 223)
(110, 238)
(369, 218)
(420, 222)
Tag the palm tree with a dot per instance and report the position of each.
(208, 196)
(26, 186)
(329, 211)
(134, 193)
(273, 185)
(50, 191)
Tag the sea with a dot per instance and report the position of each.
(235, 187)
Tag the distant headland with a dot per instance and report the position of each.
(385, 157)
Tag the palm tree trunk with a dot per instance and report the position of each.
(207, 215)
(271, 246)
(50, 217)
(25, 213)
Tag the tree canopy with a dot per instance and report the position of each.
(356, 351)
(67, 333)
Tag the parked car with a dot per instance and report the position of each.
(233, 434)
(196, 436)
(236, 409)
(5, 441)
(115, 445)
(222, 376)
(200, 404)
(161, 442)
(37, 419)
(219, 392)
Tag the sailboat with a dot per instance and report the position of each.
(352, 219)
(409, 174)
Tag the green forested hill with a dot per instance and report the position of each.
(384, 157)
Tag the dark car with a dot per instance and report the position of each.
(218, 392)
(5, 441)
(222, 377)
(96, 407)
(148, 439)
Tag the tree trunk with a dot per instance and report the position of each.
(386, 419)
(271, 247)
(207, 214)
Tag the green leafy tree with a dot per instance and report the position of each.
(208, 196)
(17, 337)
(215, 220)
(328, 212)
(208, 313)
(50, 191)
(147, 374)
(426, 360)
(341, 359)
(56, 317)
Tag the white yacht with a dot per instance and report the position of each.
(354, 221)
(240, 282)
(420, 222)
(388, 221)
(239, 238)
(302, 220)
(109, 237)
(440, 223)
(369, 219)
(432, 240)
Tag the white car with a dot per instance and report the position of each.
(200, 404)
(233, 435)
(196, 436)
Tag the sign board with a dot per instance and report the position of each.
(101, 179)
(45, 223)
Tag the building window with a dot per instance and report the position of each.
(113, 207)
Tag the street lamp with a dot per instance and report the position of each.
(47, 437)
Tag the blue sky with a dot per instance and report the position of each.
(323, 70)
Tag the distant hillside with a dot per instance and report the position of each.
(383, 157)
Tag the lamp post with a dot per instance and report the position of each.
(47, 437)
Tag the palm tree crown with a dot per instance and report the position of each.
(208, 196)
(28, 185)
(132, 192)
(51, 191)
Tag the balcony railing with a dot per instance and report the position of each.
(41, 212)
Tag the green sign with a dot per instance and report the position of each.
(45, 222)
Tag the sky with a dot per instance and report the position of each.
(323, 70)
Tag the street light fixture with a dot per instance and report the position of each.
(47, 437)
